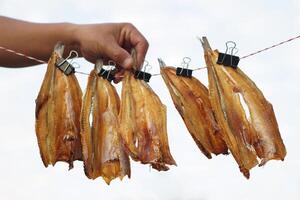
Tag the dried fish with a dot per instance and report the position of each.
(190, 98)
(58, 115)
(246, 138)
(143, 124)
(103, 153)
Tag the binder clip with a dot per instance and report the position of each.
(143, 75)
(106, 74)
(184, 71)
(229, 60)
(66, 67)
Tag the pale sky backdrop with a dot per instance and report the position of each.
(171, 28)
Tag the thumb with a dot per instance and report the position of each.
(119, 55)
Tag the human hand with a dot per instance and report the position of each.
(111, 41)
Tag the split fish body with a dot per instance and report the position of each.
(103, 153)
(247, 138)
(190, 98)
(143, 124)
(58, 115)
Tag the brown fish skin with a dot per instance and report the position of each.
(146, 135)
(266, 137)
(128, 124)
(230, 114)
(58, 115)
(102, 149)
(87, 129)
(260, 133)
(190, 98)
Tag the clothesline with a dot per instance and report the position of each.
(200, 68)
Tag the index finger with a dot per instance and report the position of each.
(139, 42)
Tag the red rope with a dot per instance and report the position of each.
(273, 46)
(21, 54)
(251, 54)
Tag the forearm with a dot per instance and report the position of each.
(33, 39)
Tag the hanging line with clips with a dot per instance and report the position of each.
(67, 67)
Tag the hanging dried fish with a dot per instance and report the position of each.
(57, 115)
(246, 138)
(143, 124)
(191, 100)
(103, 154)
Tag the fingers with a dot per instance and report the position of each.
(112, 42)
(141, 50)
(138, 41)
(119, 55)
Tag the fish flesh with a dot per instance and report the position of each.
(103, 152)
(57, 115)
(247, 137)
(143, 124)
(190, 98)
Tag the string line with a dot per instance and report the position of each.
(270, 47)
(200, 68)
(83, 73)
(23, 55)
(32, 58)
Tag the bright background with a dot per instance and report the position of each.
(171, 28)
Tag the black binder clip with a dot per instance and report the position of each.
(184, 71)
(106, 74)
(143, 75)
(65, 66)
(229, 60)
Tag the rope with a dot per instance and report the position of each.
(200, 68)
(83, 73)
(23, 55)
(270, 47)
(32, 58)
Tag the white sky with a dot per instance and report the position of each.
(171, 28)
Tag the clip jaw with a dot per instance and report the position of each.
(228, 60)
(106, 74)
(65, 66)
(184, 72)
(142, 75)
